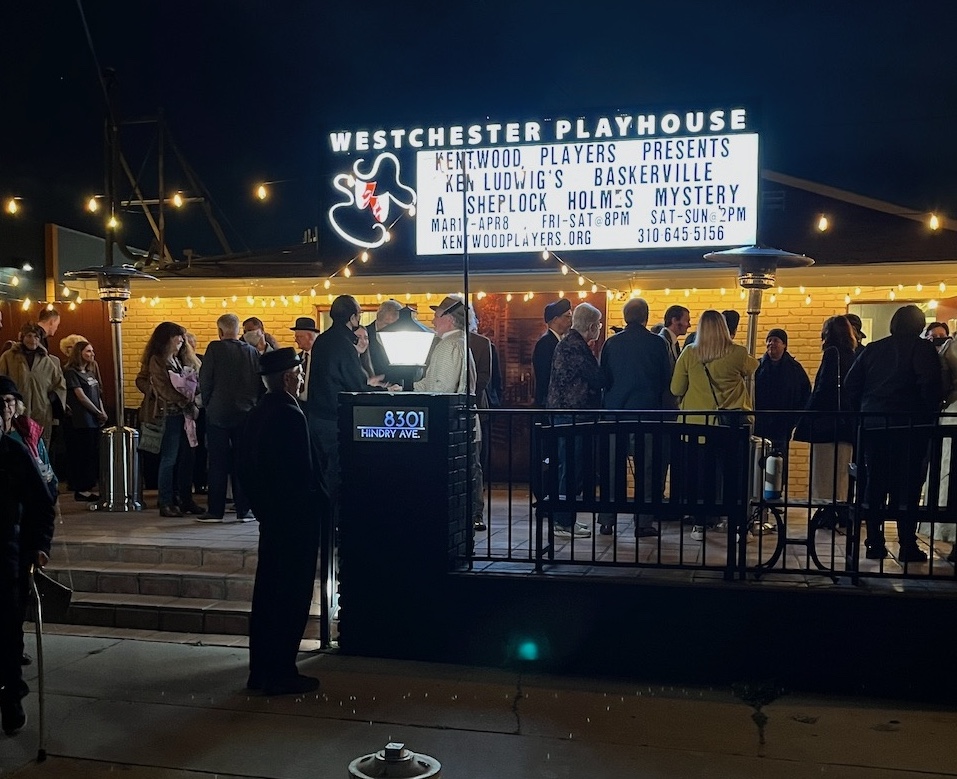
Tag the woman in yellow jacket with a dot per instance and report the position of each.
(730, 367)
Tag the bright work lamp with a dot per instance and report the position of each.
(406, 341)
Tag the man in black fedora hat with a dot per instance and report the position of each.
(305, 332)
(558, 319)
(284, 493)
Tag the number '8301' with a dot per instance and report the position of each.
(407, 419)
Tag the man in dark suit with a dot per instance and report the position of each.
(230, 386)
(558, 317)
(334, 368)
(387, 314)
(637, 371)
(283, 490)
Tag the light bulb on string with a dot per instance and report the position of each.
(561, 293)
(857, 291)
(564, 269)
(297, 298)
(780, 290)
(79, 299)
(92, 205)
(801, 289)
(272, 303)
(920, 287)
(932, 304)
(900, 287)
(822, 223)
(72, 306)
(408, 296)
(847, 299)
(594, 288)
(26, 304)
(142, 298)
(722, 291)
(581, 281)
(364, 256)
(428, 295)
(934, 222)
(346, 272)
(508, 298)
(378, 296)
(545, 254)
(178, 200)
(12, 208)
(942, 287)
(235, 298)
(326, 284)
(892, 295)
(609, 294)
(388, 236)
(772, 297)
(250, 299)
(667, 290)
(807, 300)
(113, 223)
(525, 298)
(531, 295)
(312, 292)
(582, 294)
(261, 192)
(224, 303)
(14, 281)
(687, 293)
(202, 299)
(741, 294)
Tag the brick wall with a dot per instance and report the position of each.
(789, 310)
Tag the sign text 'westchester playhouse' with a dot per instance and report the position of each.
(632, 181)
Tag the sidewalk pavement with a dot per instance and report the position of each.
(151, 709)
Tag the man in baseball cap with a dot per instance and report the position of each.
(856, 323)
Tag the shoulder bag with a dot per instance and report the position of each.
(728, 417)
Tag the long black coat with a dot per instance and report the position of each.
(542, 356)
(282, 488)
(26, 527)
(827, 395)
(900, 374)
(334, 367)
(781, 387)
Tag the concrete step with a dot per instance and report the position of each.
(70, 553)
(160, 613)
(170, 580)
(180, 588)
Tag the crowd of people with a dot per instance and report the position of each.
(903, 380)
(204, 410)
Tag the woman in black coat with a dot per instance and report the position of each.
(831, 435)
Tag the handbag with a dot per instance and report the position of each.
(151, 436)
(727, 417)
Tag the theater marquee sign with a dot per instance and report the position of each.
(631, 181)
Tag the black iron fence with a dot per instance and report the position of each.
(622, 491)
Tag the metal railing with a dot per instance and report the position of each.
(626, 491)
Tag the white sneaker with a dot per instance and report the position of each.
(697, 533)
(583, 525)
(572, 532)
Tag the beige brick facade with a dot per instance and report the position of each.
(789, 309)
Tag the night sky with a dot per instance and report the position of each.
(863, 101)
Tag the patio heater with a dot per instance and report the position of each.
(756, 268)
(119, 466)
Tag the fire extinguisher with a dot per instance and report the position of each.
(773, 475)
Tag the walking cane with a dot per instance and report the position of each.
(38, 626)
